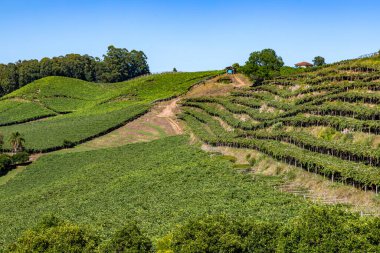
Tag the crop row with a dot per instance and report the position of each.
(343, 151)
(349, 172)
(356, 153)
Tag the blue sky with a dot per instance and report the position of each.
(190, 35)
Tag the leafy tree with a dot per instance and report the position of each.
(319, 61)
(236, 66)
(17, 142)
(322, 229)
(28, 71)
(53, 235)
(118, 65)
(129, 239)
(263, 64)
(175, 70)
(221, 234)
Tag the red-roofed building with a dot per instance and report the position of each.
(304, 64)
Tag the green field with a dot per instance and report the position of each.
(159, 184)
(52, 110)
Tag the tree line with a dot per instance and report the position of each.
(316, 229)
(117, 65)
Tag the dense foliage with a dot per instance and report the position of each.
(316, 229)
(118, 65)
(263, 64)
(54, 235)
(330, 230)
(220, 233)
(319, 61)
(128, 239)
(8, 162)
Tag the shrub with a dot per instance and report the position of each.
(5, 163)
(53, 235)
(20, 157)
(68, 144)
(221, 234)
(128, 239)
(322, 229)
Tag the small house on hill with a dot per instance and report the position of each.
(230, 70)
(304, 64)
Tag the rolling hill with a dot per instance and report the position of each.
(54, 112)
(325, 121)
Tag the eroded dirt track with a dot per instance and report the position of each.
(161, 120)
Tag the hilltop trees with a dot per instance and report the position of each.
(319, 61)
(263, 64)
(118, 65)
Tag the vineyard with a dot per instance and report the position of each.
(160, 184)
(54, 112)
(325, 121)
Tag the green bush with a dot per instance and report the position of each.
(221, 234)
(5, 163)
(68, 144)
(20, 157)
(128, 239)
(321, 229)
(53, 235)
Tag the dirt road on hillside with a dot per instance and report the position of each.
(161, 120)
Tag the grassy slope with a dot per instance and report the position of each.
(91, 108)
(159, 184)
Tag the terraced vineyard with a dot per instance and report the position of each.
(54, 112)
(325, 121)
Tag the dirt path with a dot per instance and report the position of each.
(161, 120)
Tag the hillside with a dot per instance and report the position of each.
(159, 184)
(56, 111)
(324, 121)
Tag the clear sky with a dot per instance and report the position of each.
(190, 34)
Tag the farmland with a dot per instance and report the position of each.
(54, 110)
(321, 122)
(160, 184)
(324, 121)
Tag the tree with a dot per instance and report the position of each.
(330, 229)
(220, 233)
(118, 65)
(17, 142)
(236, 67)
(54, 235)
(319, 61)
(128, 239)
(175, 70)
(263, 64)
